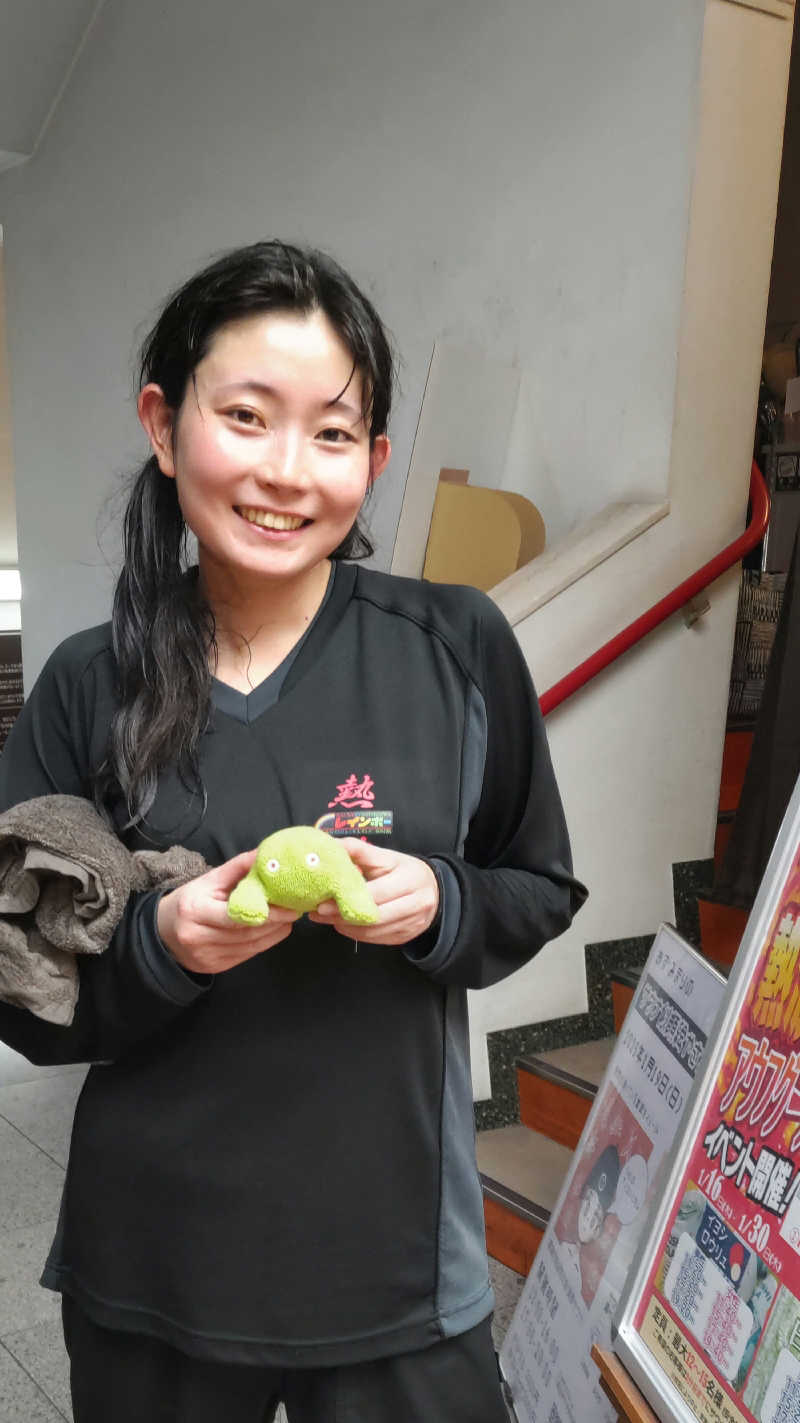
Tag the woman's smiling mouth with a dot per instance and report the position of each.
(265, 519)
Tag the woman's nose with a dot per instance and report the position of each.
(285, 463)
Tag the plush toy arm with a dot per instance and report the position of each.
(356, 905)
(248, 903)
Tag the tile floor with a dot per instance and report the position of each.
(36, 1110)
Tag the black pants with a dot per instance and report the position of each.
(131, 1378)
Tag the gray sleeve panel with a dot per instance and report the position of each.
(450, 904)
(464, 1294)
(174, 981)
(473, 761)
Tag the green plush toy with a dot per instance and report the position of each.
(298, 868)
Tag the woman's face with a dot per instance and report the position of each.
(269, 450)
(590, 1216)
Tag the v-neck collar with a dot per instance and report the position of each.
(248, 706)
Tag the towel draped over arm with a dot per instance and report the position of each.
(133, 987)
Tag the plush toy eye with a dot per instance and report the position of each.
(312, 859)
(273, 866)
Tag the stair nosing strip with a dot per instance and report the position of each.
(558, 1076)
(521, 1205)
(625, 975)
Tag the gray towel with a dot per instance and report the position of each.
(65, 880)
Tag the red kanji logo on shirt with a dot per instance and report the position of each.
(354, 793)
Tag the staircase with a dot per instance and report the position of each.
(522, 1166)
(722, 925)
(528, 1132)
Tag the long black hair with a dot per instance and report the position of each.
(162, 628)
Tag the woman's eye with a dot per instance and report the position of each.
(336, 436)
(242, 416)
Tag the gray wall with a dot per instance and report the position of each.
(40, 39)
(515, 176)
(8, 517)
(784, 295)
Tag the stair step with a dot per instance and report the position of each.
(735, 757)
(721, 838)
(557, 1089)
(624, 983)
(721, 929)
(521, 1174)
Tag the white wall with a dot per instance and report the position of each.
(8, 518)
(514, 176)
(40, 39)
(638, 751)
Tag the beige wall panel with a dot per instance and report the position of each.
(8, 517)
(784, 8)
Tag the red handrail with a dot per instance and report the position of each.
(614, 648)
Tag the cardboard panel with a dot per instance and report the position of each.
(475, 537)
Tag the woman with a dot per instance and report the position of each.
(272, 1189)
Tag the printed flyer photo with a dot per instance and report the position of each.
(579, 1273)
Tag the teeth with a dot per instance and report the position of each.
(266, 520)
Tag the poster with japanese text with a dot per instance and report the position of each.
(711, 1329)
(11, 690)
(579, 1272)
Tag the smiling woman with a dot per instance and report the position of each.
(271, 464)
(272, 1190)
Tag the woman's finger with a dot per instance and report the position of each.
(212, 911)
(224, 878)
(231, 954)
(393, 927)
(397, 885)
(372, 860)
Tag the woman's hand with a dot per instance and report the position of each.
(193, 921)
(404, 888)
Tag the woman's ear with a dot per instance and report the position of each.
(158, 420)
(379, 457)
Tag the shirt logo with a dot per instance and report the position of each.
(352, 810)
(354, 793)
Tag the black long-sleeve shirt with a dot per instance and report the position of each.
(277, 1164)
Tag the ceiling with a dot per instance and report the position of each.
(39, 43)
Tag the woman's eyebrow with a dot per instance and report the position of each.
(261, 388)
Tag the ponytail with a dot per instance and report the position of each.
(162, 630)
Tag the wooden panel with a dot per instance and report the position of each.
(551, 1109)
(734, 766)
(510, 1239)
(721, 929)
(615, 1381)
(721, 838)
(621, 996)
